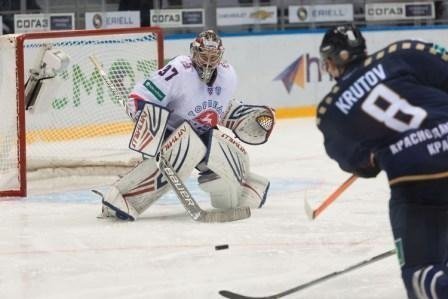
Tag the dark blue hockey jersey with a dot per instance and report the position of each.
(393, 105)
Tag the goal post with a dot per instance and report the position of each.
(56, 110)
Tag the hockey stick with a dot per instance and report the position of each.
(173, 179)
(190, 204)
(312, 214)
(232, 295)
(115, 91)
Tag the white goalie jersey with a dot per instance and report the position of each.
(178, 88)
(191, 100)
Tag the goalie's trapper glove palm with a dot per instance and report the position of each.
(251, 124)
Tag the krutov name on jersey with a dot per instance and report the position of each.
(360, 87)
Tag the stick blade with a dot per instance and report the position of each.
(232, 295)
(308, 210)
(225, 216)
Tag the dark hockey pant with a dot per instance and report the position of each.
(419, 219)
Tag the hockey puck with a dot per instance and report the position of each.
(221, 247)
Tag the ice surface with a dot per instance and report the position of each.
(53, 246)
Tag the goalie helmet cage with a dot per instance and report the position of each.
(75, 120)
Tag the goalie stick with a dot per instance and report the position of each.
(192, 207)
(190, 204)
(232, 295)
(312, 214)
(115, 91)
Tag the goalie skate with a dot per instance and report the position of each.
(119, 208)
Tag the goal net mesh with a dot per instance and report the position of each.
(76, 122)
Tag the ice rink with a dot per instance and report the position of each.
(52, 246)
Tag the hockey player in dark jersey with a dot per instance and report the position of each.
(389, 111)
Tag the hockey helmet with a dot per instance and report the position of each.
(343, 45)
(206, 53)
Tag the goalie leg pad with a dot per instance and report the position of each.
(114, 205)
(222, 194)
(134, 192)
(184, 150)
(146, 186)
(143, 185)
(228, 179)
(228, 162)
(255, 190)
(227, 159)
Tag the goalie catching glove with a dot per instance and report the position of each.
(250, 123)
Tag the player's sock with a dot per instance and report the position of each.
(428, 282)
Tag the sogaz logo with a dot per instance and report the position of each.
(303, 70)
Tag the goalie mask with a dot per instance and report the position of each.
(206, 53)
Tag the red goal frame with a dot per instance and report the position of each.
(20, 79)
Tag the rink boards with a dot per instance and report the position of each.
(282, 69)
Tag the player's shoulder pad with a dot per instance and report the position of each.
(225, 64)
(226, 67)
(325, 103)
(226, 70)
(409, 45)
(182, 63)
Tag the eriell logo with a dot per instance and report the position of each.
(302, 71)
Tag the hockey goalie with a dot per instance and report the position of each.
(177, 112)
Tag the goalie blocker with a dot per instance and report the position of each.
(224, 166)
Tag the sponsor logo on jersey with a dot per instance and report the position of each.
(206, 105)
(217, 90)
(208, 118)
(300, 72)
(154, 90)
(435, 139)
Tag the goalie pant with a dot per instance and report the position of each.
(224, 167)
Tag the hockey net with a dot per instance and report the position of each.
(73, 121)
